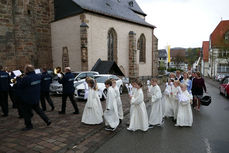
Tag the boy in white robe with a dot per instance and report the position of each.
(118, 99)
(111, 113)
(138, 117)
(167, 100)
(93, 112)
(155, 117)
(184, 115)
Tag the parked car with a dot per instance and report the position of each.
(220, 77)
(224, 86)
(57, 88)
(100, 79)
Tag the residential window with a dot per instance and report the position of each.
(223, 68)
(112, 45)
(227, 36)
(142, 48)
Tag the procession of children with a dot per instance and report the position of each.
(181, 92)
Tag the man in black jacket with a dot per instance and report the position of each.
(46, 80)
(4, 89)
(30, 96)
(67, 81)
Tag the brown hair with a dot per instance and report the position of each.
(108, 82)
(88, 79)
(29, 68)
(138, 82)
(92, 83)
(154, 79)
(198, 74)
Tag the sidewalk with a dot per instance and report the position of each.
(66, 134)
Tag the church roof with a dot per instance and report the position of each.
(127, 10)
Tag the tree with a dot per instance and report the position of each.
(192, 55)
(178, 59)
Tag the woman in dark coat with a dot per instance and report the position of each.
(198, 85)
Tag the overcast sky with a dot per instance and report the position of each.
(184, 23)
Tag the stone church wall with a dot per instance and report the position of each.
(66, 33)
(25, 33)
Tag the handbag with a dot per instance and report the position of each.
(205, 100)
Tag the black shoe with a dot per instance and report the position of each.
(20, 116)
(120, 121)
(4, 115)
(27, 128)
(52, 108)
(43, 110)
(60, 112)
(48, 123)
(151, 126)
(75, 113)
(109, 129)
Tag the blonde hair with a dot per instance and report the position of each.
(177, 81)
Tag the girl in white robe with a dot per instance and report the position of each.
(111, 113)
(93, 112)
(169, 111)
(118, 99)
(155, 117)
(174, 93)
(138, 117)
(184, 115)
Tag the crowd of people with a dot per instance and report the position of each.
(181, 91)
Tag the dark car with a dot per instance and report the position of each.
(224, 86)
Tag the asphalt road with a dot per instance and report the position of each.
(209, 133)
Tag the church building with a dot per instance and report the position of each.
(111, 30)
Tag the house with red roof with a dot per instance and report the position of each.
(205, 58)
(219, 50)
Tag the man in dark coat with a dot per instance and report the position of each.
(67, 81)
(4, 89)
(46, 80)
(30, 96)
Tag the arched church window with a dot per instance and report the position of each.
(142, 48)
(112, 45)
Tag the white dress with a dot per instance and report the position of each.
(155, 117)
(138, 118)
(86, 89)
(174, 99)
(111, 113)
(169, 111)
(93, 111)
(133, 90)
(184, 115)
(119, 102)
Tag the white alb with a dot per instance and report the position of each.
(93, 111)
(138, 117)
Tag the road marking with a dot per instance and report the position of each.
(208, 146)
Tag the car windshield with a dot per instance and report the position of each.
(75, 73)
(101, 79)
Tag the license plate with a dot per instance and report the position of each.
(81, 94)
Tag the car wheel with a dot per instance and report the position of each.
(120, 89)
(225, 93)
